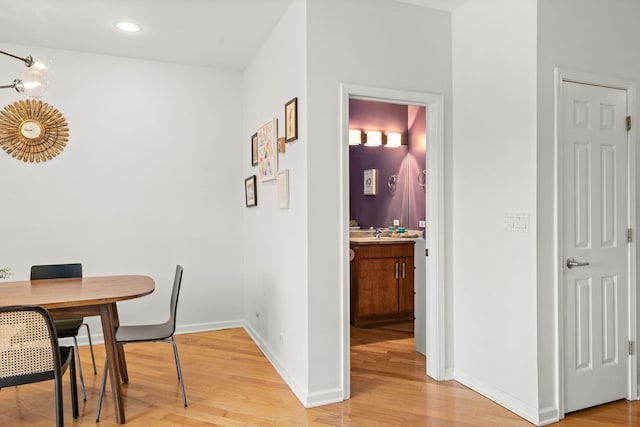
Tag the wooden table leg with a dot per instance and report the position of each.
(124, 374)
(108, 315)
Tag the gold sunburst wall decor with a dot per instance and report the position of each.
(32, 131)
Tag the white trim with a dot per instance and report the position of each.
(98, 338)
(518, 407)
(308, 400)
(300, 392)
(435, 236)
(633, 289)
(562, 75)
(548, 415)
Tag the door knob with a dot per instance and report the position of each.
(573, 263)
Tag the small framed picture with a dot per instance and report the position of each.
(283, 189)
(268, 151)
(291, 120)
(250, 191)
(254, 149)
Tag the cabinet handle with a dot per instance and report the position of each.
(396, 270)
(403, 270)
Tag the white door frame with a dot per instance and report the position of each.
(562, 75)
(435, 236)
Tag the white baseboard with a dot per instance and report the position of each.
(183, 329)
(548, 415)
(324, 397)
(275, 362)
(448, 374)
(516, 406)
(308, 400)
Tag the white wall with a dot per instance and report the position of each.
(373, 43)
(275, 240)
(494, 161)
(149, 179)
(590, 36)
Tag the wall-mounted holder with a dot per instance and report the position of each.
(392, 183)
(282, 146)
(370, 182)
(422, 178)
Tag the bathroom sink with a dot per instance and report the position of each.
(368, 236)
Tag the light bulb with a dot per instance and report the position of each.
(374, 138)
(355, 137)
(394, 139)
(128, 26)
(32, 84)
(42, 65)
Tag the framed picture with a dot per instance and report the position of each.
(291, 120)
(370, 182)
(254, 149)
(283, 189)
(268, 151)
(250, 191)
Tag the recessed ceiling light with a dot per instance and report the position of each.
(128, 26)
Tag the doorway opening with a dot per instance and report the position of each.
(387, 171)
(431, 330)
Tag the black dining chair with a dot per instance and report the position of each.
(151, 333)
(67, 328)
(29, 353)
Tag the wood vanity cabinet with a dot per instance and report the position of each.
(382, 283)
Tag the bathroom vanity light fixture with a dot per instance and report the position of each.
(394, 139)
(374, 138)
(34, 81)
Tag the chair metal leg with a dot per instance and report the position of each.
(175, 353)
(84, 392)
(93, 359)
(103, 385)
(74, 386)
(59, 407)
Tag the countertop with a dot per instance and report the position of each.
(381, 240)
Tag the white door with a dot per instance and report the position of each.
(595, 200)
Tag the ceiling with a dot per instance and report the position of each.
(446, 5)
(214, 33)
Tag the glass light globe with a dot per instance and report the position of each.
(32, 84)
(41, 65)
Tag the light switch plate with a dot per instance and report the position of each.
(422, 224)
(516, 222)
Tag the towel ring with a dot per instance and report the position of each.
(422, 178)
(391, 183)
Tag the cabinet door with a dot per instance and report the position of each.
(407, 294)
(378, 286)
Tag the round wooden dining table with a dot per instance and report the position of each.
(83, 297)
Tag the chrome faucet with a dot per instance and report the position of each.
(378, 233)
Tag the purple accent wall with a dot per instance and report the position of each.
(371, 115)
(379, 210)
(404, 201)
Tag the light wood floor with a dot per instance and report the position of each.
(230, 383)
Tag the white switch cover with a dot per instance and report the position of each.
(422, 224)
(396, 222)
